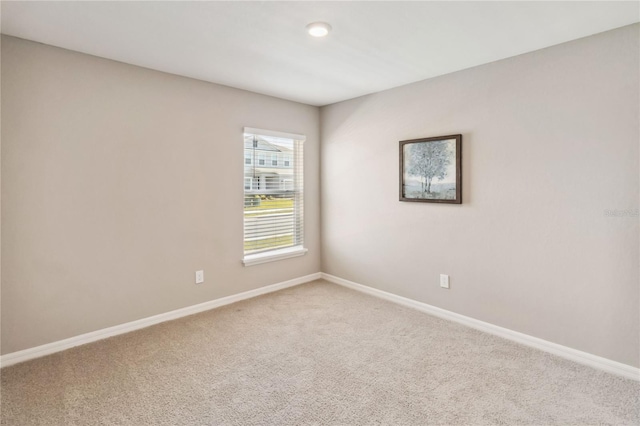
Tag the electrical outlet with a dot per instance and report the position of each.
(199, 277)
(444, 281)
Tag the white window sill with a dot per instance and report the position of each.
(272, 256)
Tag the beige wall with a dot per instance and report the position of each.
(119, 182)
(550, 141)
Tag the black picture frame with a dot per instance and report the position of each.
(429, 171)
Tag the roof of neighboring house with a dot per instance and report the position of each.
(264, 145)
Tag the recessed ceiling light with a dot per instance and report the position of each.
(318, 29)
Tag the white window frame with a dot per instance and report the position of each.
(288, 252)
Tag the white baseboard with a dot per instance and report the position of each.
(61, 345)
(534, 342)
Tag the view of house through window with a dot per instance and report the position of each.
(273, 191)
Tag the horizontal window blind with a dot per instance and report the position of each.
(273, 191)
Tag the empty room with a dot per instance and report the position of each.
(320, 213)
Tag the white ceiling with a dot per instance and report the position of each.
(263, 46)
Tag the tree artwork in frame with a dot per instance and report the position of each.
(431, 170)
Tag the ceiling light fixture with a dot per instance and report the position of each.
(318, 29)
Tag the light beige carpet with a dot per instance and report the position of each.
(314, 354)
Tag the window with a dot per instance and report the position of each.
(273, 198)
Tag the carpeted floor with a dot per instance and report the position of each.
(313, 354)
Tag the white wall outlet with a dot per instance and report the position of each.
(199, 277)
(444, 281)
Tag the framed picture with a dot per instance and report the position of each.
(431, 170)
